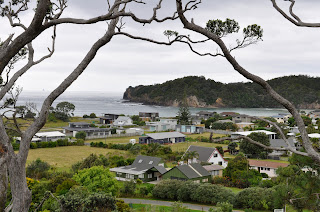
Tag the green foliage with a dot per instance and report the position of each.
(97, 202)
(178, 207)
(253, 31)
(37, 169)
(90, 161)
(225, 206)
(129, 188)
(170, 33)
(297, 89)
(97, 178)
(190, 191)
(232, 147)
(253, 150)
(255, 198)
(220, 150)
(63, 111)
(65, 186)
(92, 115)
(184, 115)
(222, 28)
(81, 135)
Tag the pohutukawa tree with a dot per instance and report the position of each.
(47, 15)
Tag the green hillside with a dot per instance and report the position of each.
(303, 91)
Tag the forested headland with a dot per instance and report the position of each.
(197, 91)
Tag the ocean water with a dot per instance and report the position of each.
(103, 102)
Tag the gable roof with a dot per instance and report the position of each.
(267, 164)
(213, 167)
(123, 118)
(165, 135)
(204, 152)
(193, 170)
(140, 165)
(50, 134)
(281, 142)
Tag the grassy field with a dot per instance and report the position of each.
(119, 140)
(63, 157)
(206, 135)
(182, 147)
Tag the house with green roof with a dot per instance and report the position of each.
(194, 172)
(145, 168)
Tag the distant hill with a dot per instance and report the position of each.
(303, 91)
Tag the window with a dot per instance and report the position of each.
(128, 176)
(141, 176)
(151, 162)
(131, 176)
(268, 169)
(205, 180)
(220, 163)
(140, 161)
(215, 155)
(150, 175)
(197, 181)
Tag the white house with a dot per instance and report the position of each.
(50, 136)
(271, 135)
(137, 131)
(123, 121)
(207, 154)
(266, 167)
(162, 125)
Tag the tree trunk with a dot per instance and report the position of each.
(210, 138)
(21, 194)
(3, 186)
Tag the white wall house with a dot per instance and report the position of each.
(162, 125)
(123, 121)
(50, 136)
(271, 135)
(266, 167)
(207, 154)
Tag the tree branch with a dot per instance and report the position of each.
(288, 105)
(295, 20)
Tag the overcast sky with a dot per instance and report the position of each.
(285, 49)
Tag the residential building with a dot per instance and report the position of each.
(271, 135)
(149, 116)
(162, 125)
(243, 118)
(205, 115)
(206, 154)
(189, 129)
(266, 167)
(50, 136)
(194, 172)
(280, 119)
(108, 118)
(123, 121)
(279, 143)
(314, 114)
(314, 135)
(228, 114)
(162, 138)
(91, 132)
(145, 168)
(137, 131)
(214, 170)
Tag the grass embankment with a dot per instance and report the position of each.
(116, 140)
(63, 157)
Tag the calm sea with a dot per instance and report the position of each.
(103, 102)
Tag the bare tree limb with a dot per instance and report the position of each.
(311, 152)
(295, 20)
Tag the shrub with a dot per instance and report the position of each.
(33, 145)
(97, 178)
(37, 169)
(52, 144)
(65, 186)
(129, 187)
(99, 202)
(255, 198)
(62, 142)
(185, 191)
(85, 116)
(167, 189)
(81, 135)
(92, 115)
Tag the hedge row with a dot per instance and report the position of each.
(51, 144)
(112, 146)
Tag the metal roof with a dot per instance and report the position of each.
(50, 134)
(165, 135)
(246, 133)
(213, 167)
(193, 170)
(281, 142)
(204, 152)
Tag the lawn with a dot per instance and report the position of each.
(63, 157)
(155, 208)
(119, 140)
(206, 135)
(182, 147)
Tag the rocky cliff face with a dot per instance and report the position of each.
(192, 101)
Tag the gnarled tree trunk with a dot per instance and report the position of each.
(3, 186)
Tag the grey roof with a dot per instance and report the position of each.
(281, 142)
(161, 169)
(193, 170)
(204, 152)
(277, 116)
(88, 129)
(213, 167)
(165, 135)
(80, 123)
(205, 113)
(123, 118)
(140, 165)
